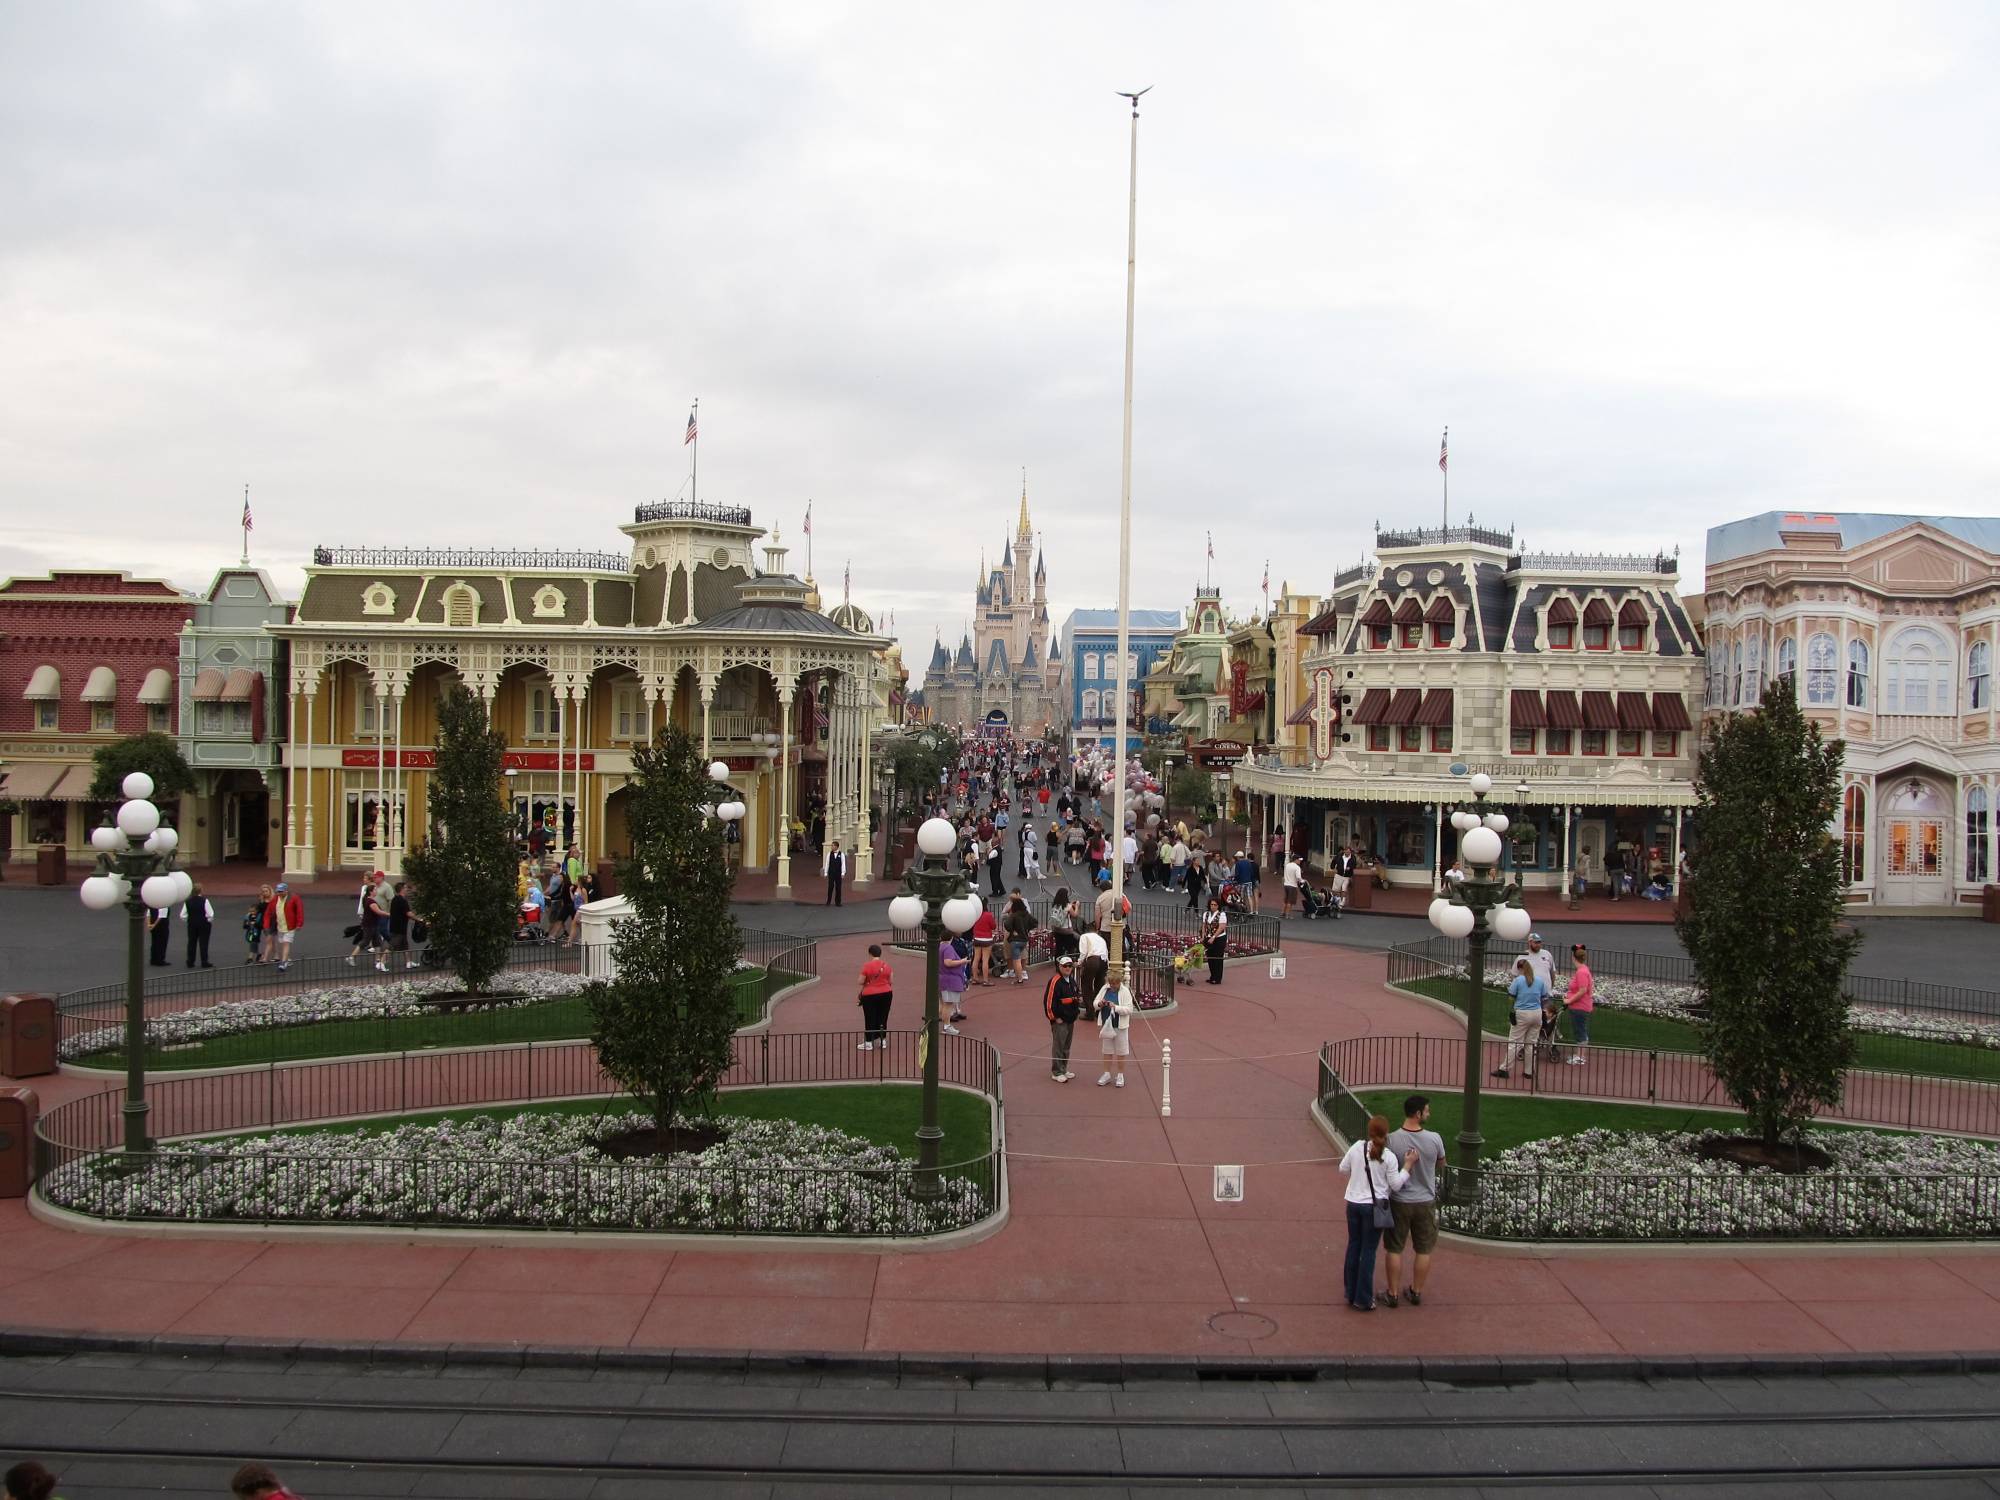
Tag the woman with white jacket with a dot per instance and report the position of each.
(1372, 1175)
(1113, 1009)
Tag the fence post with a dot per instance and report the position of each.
(271, 1095)
(764, 1057)
(1653, 1076)
(1910, 1111)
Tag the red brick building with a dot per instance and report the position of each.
(85, 658)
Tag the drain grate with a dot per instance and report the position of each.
(1243, 1325)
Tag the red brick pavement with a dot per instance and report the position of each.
(1115, 1244)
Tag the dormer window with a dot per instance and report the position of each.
(1562, 626)
(1376, 621)
(378, 599)
(1597, 626)
(1632, 626)
(1442, 617)
(1409, 624)
(461, 606)
(549, 602)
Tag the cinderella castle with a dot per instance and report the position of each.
(1001, 681)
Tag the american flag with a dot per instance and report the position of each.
(693, 431)
(819, 713)
(809, 518)
(1444, 444)
(1211, 546)
(246, 507)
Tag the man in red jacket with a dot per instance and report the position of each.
(282, 918)
(1061, 1003)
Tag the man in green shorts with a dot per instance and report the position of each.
(1414, 1204)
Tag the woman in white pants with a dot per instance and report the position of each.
(1113, 1009)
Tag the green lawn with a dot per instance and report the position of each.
(1614, 1028)
(885, 1114)
(548, 1021)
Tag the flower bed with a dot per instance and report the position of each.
(535, 1170)
(351, 1002)
(1636, 1185)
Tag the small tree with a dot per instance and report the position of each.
(155, 754)
(1192, 790)
(1765, 931)
(663, 1025)
(463, 883)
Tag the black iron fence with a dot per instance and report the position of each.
(1542, 1204)
(78, 1165)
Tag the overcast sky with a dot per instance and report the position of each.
(452, 275)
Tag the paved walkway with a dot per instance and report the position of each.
(1115, 1244)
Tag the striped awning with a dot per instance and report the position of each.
(1599, 712)
(1300, 715)
(1374, 704)
(1377, 613)
(1597, 612)
(74, 785)
(1442, 610)
(1323, 623)
(1670, 713)
(1562, 612)
(241, 683)
(1436, 708)
(31, 782)
(1403, 707)
(208, 685)
(1563, 710)
(1524, 709)
(1633, 712)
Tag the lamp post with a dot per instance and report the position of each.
(1484, 904)
(729, 809)
(936, 898)
(119, 865)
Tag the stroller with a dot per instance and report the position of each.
(1235, 898)
(528, 926)
(1317, 903)
(1549, 1042)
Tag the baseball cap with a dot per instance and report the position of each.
(1064, 962)
(1534, 937)
(282, 886)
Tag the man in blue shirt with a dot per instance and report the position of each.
(1245, 878)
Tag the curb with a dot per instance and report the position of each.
(1050, 1368)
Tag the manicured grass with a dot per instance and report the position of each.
(547, 1021)
(1507, 1120)
(1612, 1027)
(884, 1114)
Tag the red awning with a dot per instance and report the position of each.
(1599, 712)
(1324, 623)
(1299, 715)
(1442, 610)
(1562, 612)
(1436, 708)
(1563, 710)
(1374, 704)
(1670, 713)
(1597, 612)
(1632, 612)
(1403, 707)
(1378, 613)
(1524, 709)
(1633, 712)
(1408, 612)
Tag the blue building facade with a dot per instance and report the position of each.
(1088, 646)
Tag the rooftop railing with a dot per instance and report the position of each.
(1435, 536)
(691, 510)
(484, 559)
(1596, 562)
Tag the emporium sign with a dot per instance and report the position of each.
(426, 760)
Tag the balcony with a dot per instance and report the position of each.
(732, 724)
(1935, 729)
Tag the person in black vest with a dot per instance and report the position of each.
(160, 922)
(200, 918)
(836, 872)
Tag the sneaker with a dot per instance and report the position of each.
(865, 1047)
(1499, 1072)
(1388, 1299)
(957, 1016)
(1067, 1076)
(1416, 1297)
(948, 1029)
(350, 960)
(1119, 1081)
(1102, 1079)
(381, 968)
(284, 966)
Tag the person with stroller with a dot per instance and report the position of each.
(253, 926)
(1529, 996)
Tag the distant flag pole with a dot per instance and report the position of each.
(846, 579)
(246, 524)
(1267, 588)
(1444, 468)
(694, 436)
(809, 539)
(1208, 569)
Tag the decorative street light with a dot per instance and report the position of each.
(937, 898)
(729, 809)
(1484, 904)
(136, 849)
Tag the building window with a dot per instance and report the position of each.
(1378, 637)
(1090, 666)
(364, 825)
(1917, 673)
(1441, 632)
(1736, 673)
(1857, 674)
(628, 714)
(1753, 671)
(1409, 737)
(1090, 705)
(104, 718)
(1976, 851)
(1562, 637)
(1978, 675)
(1593, 742)
(1854, 835)
(1788, 664)
(1666, 742)
(48, 715)
(1555, 741)
(1441, 737)
(1597, 637)
(1822, 670)
(1631, 742)
(461, 606)
(549, 602)
(544, 710)
(378, 599)
(1521, 741)
(156, 718)
(1632, 626)
(1378, 736)
(208, 718)
(1410, 633)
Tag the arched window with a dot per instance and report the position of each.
(1854, 836)
(1632, 626)
(1857, 674)
(1090, 703)
(1712, 673)
(1822, 669)
(461, 606)
(1978, 676)
(1976, 853)
(1736, 673)
(1917, 673)
(1788, 664)
(1753, 671)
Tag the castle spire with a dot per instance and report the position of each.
(1022, 528)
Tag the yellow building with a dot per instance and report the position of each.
(579, 657)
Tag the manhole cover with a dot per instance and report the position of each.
(1243, 1325)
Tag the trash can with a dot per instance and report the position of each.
(19, 1109)
(1361, 890)
(27, 1035)
(1989, 903)
(51, 865)
(607, 878)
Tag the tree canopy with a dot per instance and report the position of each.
(155, 754)
(463, 882)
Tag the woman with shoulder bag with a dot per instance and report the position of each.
(1372, 1176)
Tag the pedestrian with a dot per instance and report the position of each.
(1373, 1176)
(1343, 872)
(1246, 880)
(199, 914)
(1178, 857)
(159, 927)
(996, 861)
(1109, 907)
(1215, 937)
(836, 872)
(1093, 959)
(1113, 1009)
(878, 989)
(282, 920)
(985, 932)
(954, 960)
(368, 936)
(1128, 851)
(1063, 922)
(1294, 877)
(259, 1482)
(253, 925)
(1019, 927)
(1528, 995)
(1580, 999)
(1031, 853)
(399, 923)
(1541, 961)
(1061, 1005)
(1197, 876)
(28, 1480)
(1414, 1204)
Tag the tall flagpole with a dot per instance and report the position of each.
(1444, 468)
(694, 436)
(246, 526)
(1115, 939)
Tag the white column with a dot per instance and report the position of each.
(707, 706)
(291, 783)
(864, 863)
(785, 789)
(381, 770)
(397, 814)
(582, 702)
(312, 832)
